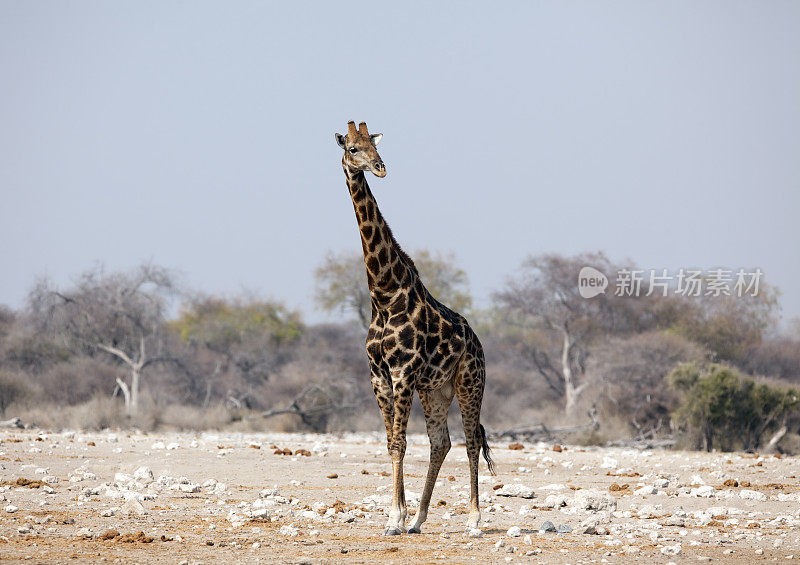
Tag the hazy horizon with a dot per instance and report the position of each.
(200, 136)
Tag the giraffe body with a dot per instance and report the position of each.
(414, 343)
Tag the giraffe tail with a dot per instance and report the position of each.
(486, 450)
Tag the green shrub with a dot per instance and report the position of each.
(722, 409)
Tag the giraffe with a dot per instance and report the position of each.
(414, 342)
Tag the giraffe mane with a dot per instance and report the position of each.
(400, 251)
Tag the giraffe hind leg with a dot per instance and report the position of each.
(469, 392)
(435, 404)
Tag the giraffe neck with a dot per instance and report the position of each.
(389, 269)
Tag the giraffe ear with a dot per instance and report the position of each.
(375, 138)
(340, 140)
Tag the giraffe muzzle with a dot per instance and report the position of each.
(379, 169)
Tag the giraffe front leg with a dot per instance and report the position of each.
(402, 391)
(435, 405)
(382, 389)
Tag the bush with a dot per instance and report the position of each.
(631, 371)
(12, 388)
(722, 409)
(96, 414)
(77, 381)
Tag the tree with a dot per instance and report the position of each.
(730, 327)
(722, 409)
(246, 336)
(341, 282)
(119, 316)
(7, 319)
(558, 324)
(776, 357)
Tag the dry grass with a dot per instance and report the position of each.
(101, 413)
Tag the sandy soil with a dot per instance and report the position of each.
(230, 498)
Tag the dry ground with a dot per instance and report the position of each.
(230, 498)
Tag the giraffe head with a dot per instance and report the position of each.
(359, 149)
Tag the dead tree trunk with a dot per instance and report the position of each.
(129, 392)
(12, 423)
(772, 446)
(571, 391)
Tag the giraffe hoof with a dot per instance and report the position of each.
(414, 531)
(392, 532)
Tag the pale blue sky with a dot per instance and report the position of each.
(200, 135)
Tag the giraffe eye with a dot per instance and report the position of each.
(353, 150)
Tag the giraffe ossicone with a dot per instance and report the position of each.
(414, 343)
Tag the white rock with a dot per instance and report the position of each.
(594, 500)
(11, 508)
(609, 463)
(648, 509)
(85, 533)
(122, 478)
(671, 549)
(752, 495)
(518, 490)
(514, 532)
(475, 533)
(158, 445)
(706, 491)
(235, 519)
(173, 445)
(289, 531)
(133, 507)
(320, 448)
(42, 471)
(553, 486)
(645, 491)
(555, 501)
(143, 474)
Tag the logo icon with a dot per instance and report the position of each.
(591, 282)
